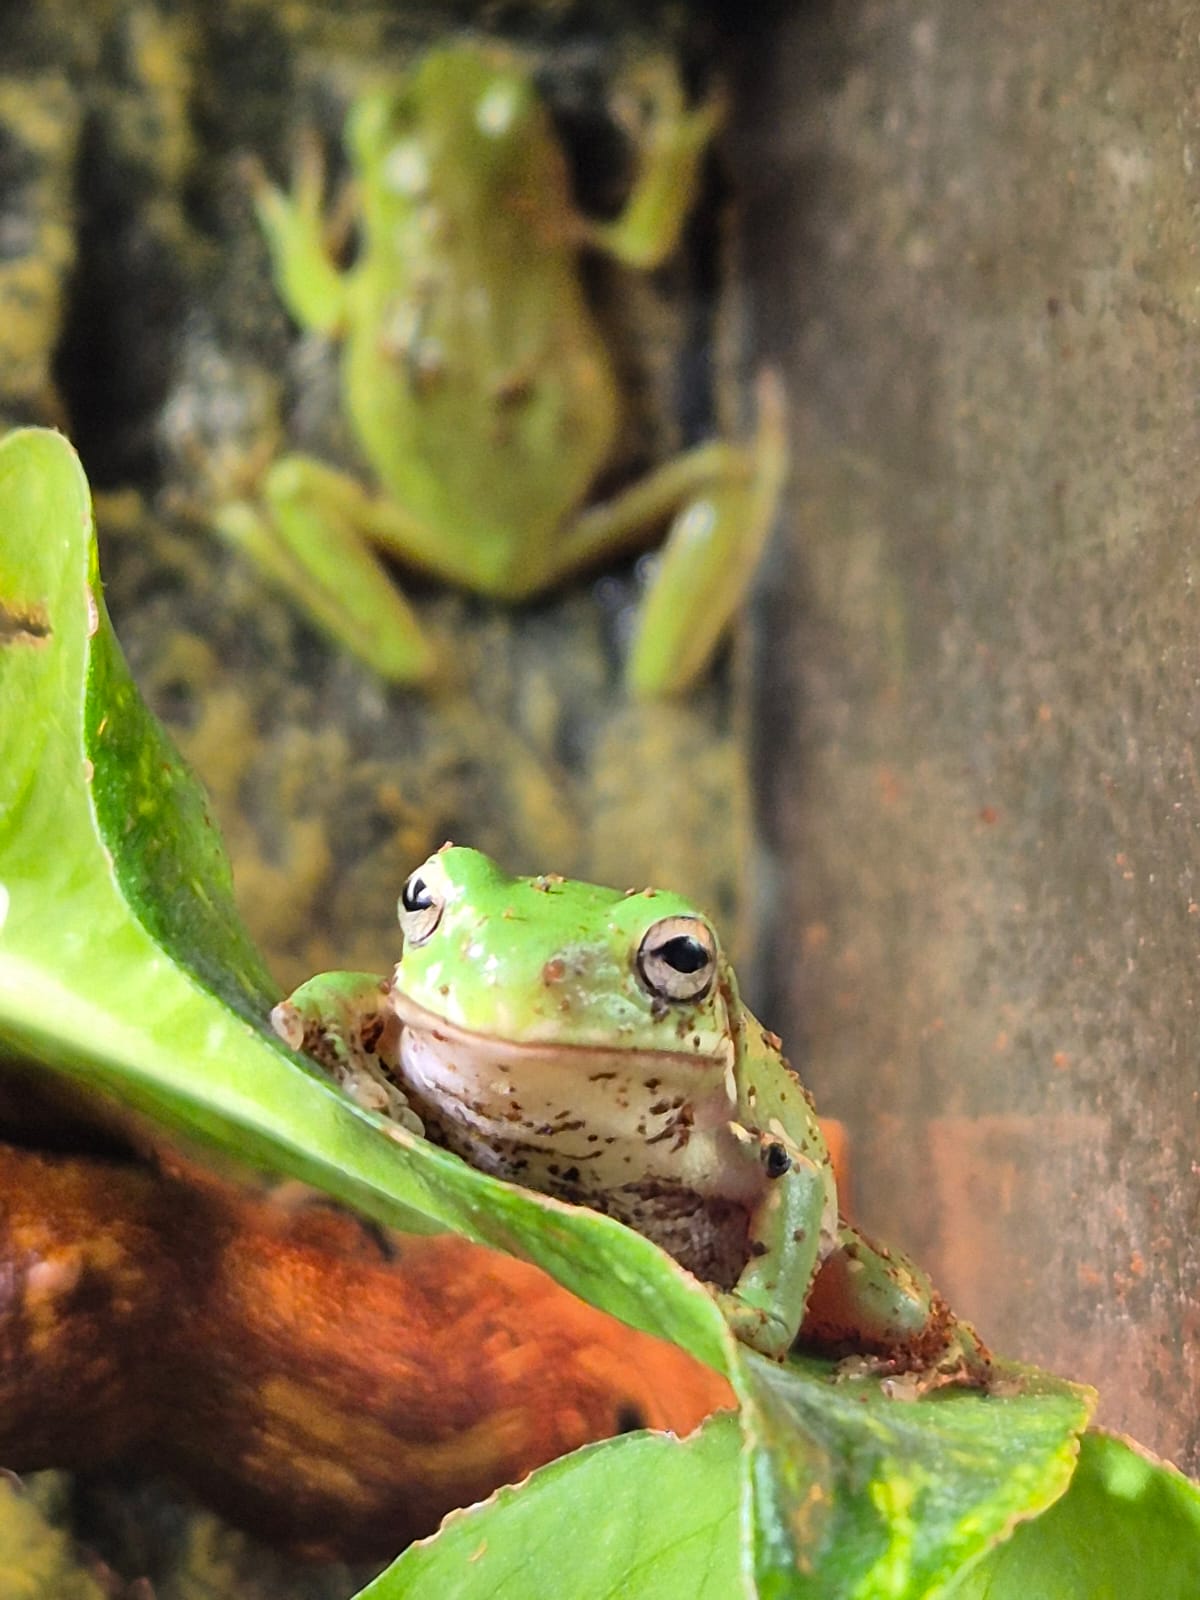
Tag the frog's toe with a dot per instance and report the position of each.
(755, 1326)
(962, 1363)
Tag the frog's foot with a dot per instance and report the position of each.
(301, 248)
(670, 141)
(710, 556)
(722, 498)
(306, 534)
(341, 1021)
(962, 1361)
(754, 1325)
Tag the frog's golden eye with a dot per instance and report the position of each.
(677, 958)
(420, 908)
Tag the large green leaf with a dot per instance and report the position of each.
(644, 1515)
(123, 963)
(1128, 1528)
(870, 1498)
(124, 966)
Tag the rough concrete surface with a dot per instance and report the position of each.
(973, 245)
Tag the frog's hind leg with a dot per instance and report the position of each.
(307, 534)
(876, 1307)
(722, 499)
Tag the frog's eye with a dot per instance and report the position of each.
(677, 958)
(420, 909)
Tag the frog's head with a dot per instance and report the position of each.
(550, 961)
(467, 116)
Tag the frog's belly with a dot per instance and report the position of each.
(609, 1130)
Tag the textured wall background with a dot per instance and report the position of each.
(973, 246)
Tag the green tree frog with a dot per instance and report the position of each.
(592, 1044)
(476, 381)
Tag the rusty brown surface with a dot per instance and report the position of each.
(290, 1369)
(972, 236)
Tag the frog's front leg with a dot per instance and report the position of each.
(294, 226)
(790, 1232)
(308, 534)
(878, 1308)
(670, 141)
(722, 498)
(343, 1022)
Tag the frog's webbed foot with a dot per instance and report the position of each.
(711, 554)
(341, 1020)
(298, 238)
(754, 1325)
(670, 140)
(962, 1361)
(722, 498)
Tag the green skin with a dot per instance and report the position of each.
(526, 1029)
(476, 381)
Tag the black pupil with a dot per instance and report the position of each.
(683, 953)
(416, 896)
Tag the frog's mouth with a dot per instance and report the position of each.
(419, 1019)
(560, 1094)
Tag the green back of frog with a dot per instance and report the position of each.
(477, 381)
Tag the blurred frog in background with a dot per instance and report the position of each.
(477, 382)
